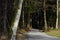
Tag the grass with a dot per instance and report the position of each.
(54, 33)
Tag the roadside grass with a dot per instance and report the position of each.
(54, 32)
(21, 34)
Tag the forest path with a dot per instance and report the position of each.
(35, 34)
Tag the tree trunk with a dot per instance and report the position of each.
(45, 22)
(23, 19)
(28, 24)
(5, 17)
(57, 16)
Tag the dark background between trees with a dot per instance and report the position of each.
(34, 13)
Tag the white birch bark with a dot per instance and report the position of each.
(15, 26)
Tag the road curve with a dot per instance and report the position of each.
(34, 34)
